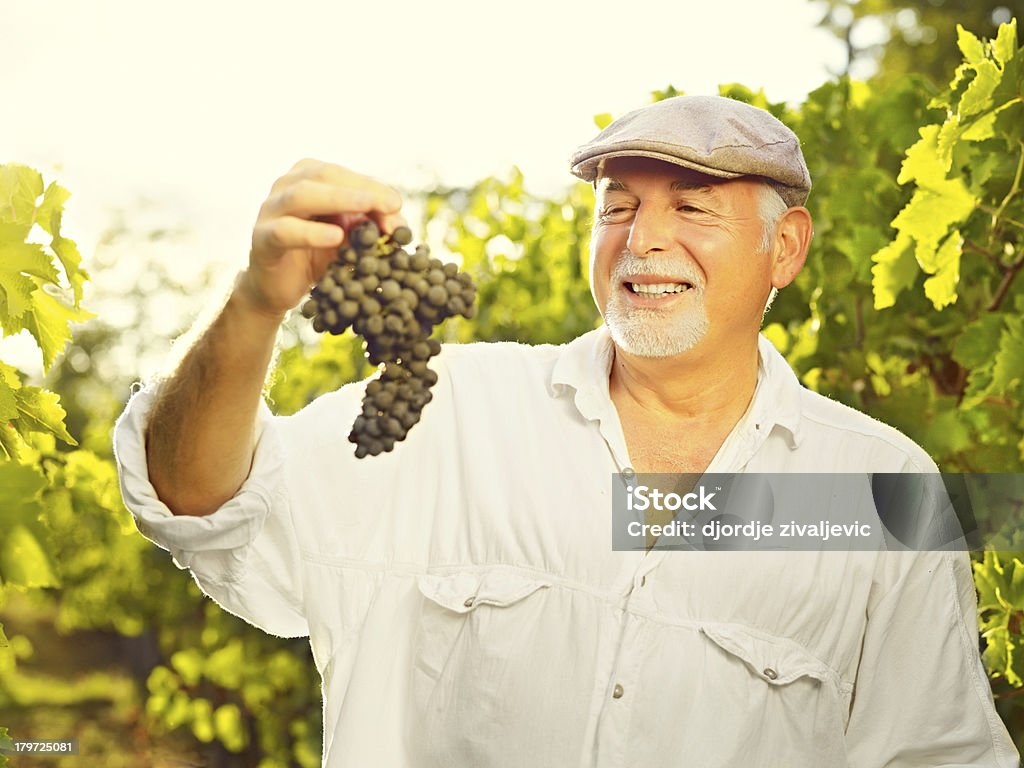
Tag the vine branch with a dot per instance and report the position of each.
(1009, 273)
(1011, 193)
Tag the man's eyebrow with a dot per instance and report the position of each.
(687, 185)
(679, 185)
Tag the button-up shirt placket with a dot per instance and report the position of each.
(612, 730)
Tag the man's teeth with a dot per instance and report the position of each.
(658, 289)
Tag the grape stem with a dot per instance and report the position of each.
(1009, 273)
(1011, 193)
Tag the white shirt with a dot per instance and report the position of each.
(465, 607)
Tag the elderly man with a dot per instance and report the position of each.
(463, 601)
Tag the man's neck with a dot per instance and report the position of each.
(699, 385)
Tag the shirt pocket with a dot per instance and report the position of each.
(474, 631)
(469, 603)
(795, 696)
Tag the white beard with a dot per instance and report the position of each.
(652, 332)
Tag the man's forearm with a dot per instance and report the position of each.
(200, 438)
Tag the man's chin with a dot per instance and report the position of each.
(654, 343)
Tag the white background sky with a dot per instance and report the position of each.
(198, 106)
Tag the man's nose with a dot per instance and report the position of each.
(649, 232)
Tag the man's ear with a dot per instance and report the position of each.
(789, 249)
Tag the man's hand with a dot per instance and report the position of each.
(301, 225)
(200, 435)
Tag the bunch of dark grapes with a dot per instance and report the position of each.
(393, 299)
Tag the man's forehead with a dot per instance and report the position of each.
(617, 173)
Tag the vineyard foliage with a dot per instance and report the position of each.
(910, 308)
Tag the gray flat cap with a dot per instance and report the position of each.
(711, 134)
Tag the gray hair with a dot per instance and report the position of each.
(770, 206)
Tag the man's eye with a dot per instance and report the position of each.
(685, 208)
(616, 211)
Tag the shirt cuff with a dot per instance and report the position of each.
(213, 546)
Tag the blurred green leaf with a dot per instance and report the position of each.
(20, 187)
(49, 322)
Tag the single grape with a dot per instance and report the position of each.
(354, 289)
(402, 235)
(366, 234)
(437, 295)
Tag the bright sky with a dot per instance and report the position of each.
(199, 108)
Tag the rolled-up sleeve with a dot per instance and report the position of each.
(921, 697)
(244, 555)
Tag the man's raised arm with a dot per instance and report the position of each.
(201, 434)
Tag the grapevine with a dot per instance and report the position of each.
(393, 299)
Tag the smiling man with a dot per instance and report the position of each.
(464, 603)
(682, 266)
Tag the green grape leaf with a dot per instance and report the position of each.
(894, 270)
(1015, 593)
(1009, 123)
(70, 259)
(23, 558)
(49, 320)
(949, 431)
(1005, 45)
(977, 344)
(18, 483)
(982, 128)
(17, 262)
(979, 382)
(40, 411)
(10, 443)
(971, 47)
(945, 266)
(1008, 368)
(20, 186)
(48, 214)
(949, 135)
(9, 375)
(930, 213)
(978, 96)
(857, 248)
(603, 120)
(8, 404)
(922, 162)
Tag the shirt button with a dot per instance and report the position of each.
(618, 691)
(628, 474)
(770, 673)
(469, 602)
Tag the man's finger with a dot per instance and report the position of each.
(388, 222)
(308, 197)
(292, 232)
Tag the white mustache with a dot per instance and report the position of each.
(629, 265)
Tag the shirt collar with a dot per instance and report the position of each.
(585, 362)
